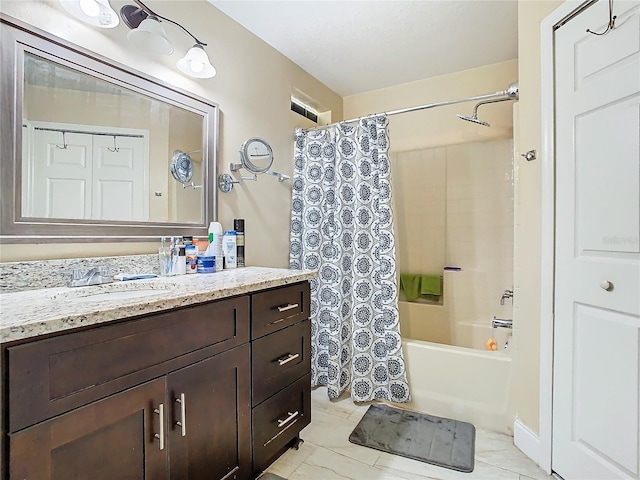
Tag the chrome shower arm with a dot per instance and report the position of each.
(475, 109)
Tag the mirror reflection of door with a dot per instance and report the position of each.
(85, 175)
(131, 184)
(120, 188)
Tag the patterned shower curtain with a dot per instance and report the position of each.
(342, 226)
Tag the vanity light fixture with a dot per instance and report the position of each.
(94, 12)
(148, 35)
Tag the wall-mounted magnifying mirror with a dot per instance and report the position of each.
(181, 168)
(256, 156)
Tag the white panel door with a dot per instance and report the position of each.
(120, 179)
(61, 176)
(596, 403)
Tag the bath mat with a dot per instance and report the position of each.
(440, 441)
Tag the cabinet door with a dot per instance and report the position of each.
(209, 416)
(108, 439)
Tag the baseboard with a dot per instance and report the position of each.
(526, 440)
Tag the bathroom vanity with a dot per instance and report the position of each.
(191, 377)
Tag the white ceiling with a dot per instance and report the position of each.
(358, 46)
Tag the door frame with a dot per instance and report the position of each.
(547, 105)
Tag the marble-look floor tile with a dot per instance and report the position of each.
(327, 453)
(332, 433)
(341, 407)
(498, 449)
(292, 458)
(481, 470)
(325, 464)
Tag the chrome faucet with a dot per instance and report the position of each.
(506, 294)
(501, 323)
(93, 276)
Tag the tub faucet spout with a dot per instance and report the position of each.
(501, 323)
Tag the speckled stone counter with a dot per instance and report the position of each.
(32, 313)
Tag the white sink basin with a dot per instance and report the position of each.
(113, 291)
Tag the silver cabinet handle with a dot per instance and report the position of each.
(288, 358)
(290, 306)
(282, 423)
(183, 414)
(160, 412)
(228, 475)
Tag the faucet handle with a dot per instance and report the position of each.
(76, 274)
(104, 270)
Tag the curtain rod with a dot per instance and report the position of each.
(502, 93)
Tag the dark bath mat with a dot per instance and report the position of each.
(426, 438)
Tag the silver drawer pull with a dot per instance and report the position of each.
(288, 358)
(160, 436)
(183, 414)
(228, 475)
(282, 423)
(290, 306)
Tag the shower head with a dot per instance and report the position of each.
(473, 118)
(512, 95)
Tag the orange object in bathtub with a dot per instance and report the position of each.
(491, 344)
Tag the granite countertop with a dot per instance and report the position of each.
(32, 313)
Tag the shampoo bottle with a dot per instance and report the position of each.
(229, 248)
(215, 244)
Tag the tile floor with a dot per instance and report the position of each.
(326, 453)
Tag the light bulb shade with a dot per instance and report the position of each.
(196, 63)
(151, 37)
(97, 13)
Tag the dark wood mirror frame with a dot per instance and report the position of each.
(16, 39)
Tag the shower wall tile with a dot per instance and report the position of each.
(420, 209)
(455, 206)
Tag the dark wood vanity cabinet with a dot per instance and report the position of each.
(107, 439)
(194, 393)
(281, 371)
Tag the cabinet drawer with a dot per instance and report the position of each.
(276, 421)
(279, 308)
(52, 376)
(279, 359)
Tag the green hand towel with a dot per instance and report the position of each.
(430, 285)
(410, 285)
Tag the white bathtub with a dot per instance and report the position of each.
(461, 383)
(434, 323)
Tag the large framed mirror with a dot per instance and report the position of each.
(89, 147)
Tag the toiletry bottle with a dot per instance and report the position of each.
(182, 260)
(174, 250)
(238, 226)
(229, 249)
(215, 244)
(191, 252)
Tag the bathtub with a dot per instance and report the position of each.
(433, 323)
(460, 383)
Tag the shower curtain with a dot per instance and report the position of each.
(342, 226)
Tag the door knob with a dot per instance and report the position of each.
(606, 285)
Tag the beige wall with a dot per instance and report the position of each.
(527, 248)
(440, 126)
(252, 87)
